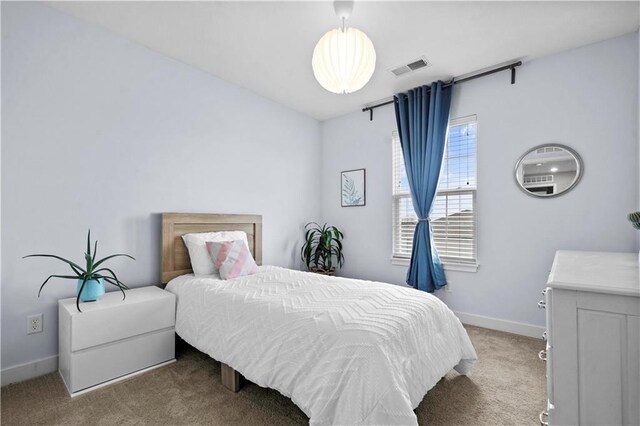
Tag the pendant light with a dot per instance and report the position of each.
(344, 58)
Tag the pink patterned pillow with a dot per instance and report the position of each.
(232, 258)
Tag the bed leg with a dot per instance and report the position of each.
(230, 377)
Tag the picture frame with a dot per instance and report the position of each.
(353, 188)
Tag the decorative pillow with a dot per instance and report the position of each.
(201, 262)
(232, 258)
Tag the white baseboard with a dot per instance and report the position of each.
(501, 325)
(29, 370)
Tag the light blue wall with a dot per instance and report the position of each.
(100, 132)
(585, 98)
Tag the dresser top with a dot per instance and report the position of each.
(600, 272)
(114, 298)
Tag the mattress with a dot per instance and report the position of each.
(345, 351)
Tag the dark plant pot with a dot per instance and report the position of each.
(331, 271)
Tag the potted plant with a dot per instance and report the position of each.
(91, 278)
(322, 244)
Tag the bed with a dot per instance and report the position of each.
(345, 351)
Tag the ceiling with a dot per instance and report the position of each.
(563, 166)
(267, 46)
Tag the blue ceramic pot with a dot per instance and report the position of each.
(93, 290)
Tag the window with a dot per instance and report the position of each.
(453, 215)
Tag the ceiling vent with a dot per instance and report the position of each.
(411, 66)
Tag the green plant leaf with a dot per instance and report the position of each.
(114, 276)
(95, 251)
(339, 256)
(76, 271)
(305, 252)
(89, 243)
(84, 281)
(70, 263)
(316, 225)
(309, 234)
(111, 257)
(336, 233)
(87, 258)
(70, 277)
(110, 281)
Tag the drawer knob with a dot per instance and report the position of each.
(542, 304)
(543, 417)
(542, 355)
(544, 336)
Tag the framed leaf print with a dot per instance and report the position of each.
(353, 187)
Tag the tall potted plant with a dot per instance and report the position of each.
(322, 245)
(91, 278)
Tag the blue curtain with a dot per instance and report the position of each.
(422, 115)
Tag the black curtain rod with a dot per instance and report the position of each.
(457, 80)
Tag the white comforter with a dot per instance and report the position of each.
(345, 351)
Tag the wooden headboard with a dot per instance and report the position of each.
(175, 258)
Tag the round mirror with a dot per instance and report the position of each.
(548, 170)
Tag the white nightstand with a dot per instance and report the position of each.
(112, 339)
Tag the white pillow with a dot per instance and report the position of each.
(201, 261)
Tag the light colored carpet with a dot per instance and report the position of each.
(506, 387)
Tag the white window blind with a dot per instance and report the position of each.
(453, 218)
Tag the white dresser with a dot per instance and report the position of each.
(112, 338)
(592, 304)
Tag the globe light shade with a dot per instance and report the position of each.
(343, 60)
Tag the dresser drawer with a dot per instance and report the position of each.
(100, 364)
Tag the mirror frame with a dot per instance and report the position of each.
(579, 171)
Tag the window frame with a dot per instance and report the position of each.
(449, 263)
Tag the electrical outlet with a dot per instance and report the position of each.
(34, 324)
